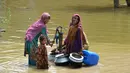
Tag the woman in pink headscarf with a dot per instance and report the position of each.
(76, 39)
(32, 35)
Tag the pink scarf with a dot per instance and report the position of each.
(36, 27)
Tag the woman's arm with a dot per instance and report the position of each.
(79, 39)
(44, 32)
(85, 41)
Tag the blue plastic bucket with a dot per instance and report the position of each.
(90, 58)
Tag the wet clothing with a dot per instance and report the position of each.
(76, 38)
(74, 45)
(31, 38)
(30, 47)
(41, 57)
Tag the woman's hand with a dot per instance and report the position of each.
(51, 43)
(86, 47)
(81, 53)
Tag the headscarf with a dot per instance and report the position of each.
(79, 24)
(72, 30)
(36, 27)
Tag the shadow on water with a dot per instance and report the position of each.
(1, 30)
(96, 9)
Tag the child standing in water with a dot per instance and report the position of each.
(41, 54)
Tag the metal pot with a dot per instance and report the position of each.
(61, 60)
(51, 57)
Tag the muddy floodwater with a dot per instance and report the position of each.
(107, 29)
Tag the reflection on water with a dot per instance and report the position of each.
(107, 30)
(16, 66)
(21, 66)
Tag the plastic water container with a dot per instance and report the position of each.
(90, 58)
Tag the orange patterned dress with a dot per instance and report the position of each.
(42, 59)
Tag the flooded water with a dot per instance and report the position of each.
(108, 32)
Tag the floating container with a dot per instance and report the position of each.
(90, 58)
